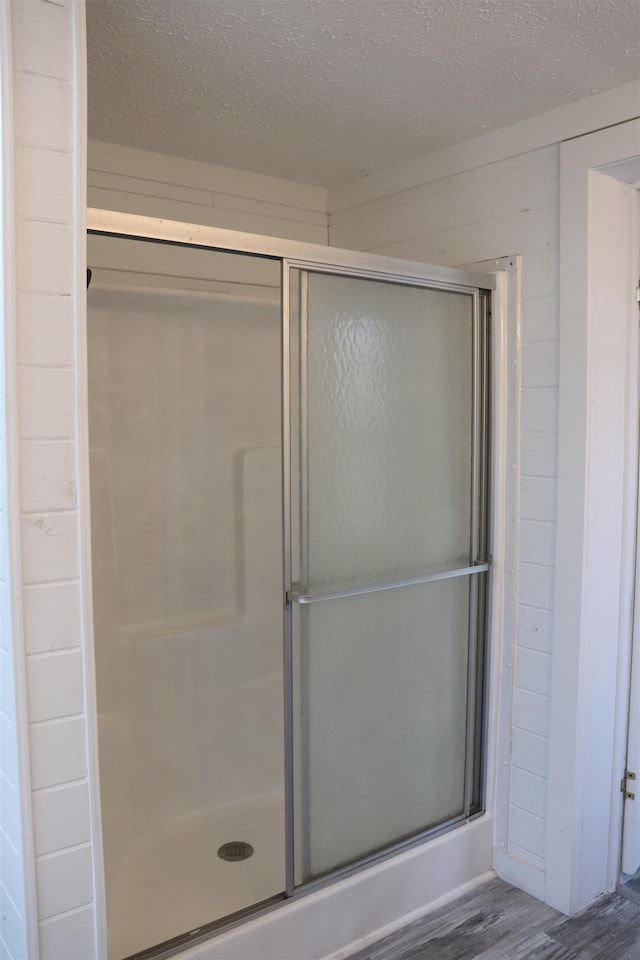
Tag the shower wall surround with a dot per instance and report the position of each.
(184, 430)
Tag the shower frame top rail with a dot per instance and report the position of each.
(133, 226)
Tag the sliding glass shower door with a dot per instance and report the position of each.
(288, 464)
(388, 444)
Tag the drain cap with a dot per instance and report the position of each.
(235, 850)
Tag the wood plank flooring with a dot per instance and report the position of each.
(632, 889)
(498, 922)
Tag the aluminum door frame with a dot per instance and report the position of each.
(479, 546)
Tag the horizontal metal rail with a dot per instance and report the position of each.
(307, 255)
(304, 598)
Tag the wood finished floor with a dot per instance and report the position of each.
(498, 922)
(632, 888)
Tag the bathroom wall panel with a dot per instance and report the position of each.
(42, 178)
(150, 184)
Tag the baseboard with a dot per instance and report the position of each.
(523, 875)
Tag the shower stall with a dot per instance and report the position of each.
(289, 456)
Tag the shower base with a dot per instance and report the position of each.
(173, 881)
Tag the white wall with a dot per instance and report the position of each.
(149, 184)
(52, 891)
(501, 198)
(13, 900)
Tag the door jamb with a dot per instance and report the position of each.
(590, 656)
(630, 588)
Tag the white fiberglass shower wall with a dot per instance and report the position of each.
(289, 462)
(184, 389)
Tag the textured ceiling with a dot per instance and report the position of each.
(323, 91)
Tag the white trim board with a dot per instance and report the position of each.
(11, 549)
(629, 708)
(586, 740)
(504, 591)
(82, 484)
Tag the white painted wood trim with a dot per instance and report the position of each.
(629, 659)
(10, 430)
(82, 479)
(505, 419)
(506, 468)
(522, 875)
(611, 288)
(593, 403)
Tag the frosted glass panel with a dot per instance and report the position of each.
(386, 401)
(383, 442)
(382, 726)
